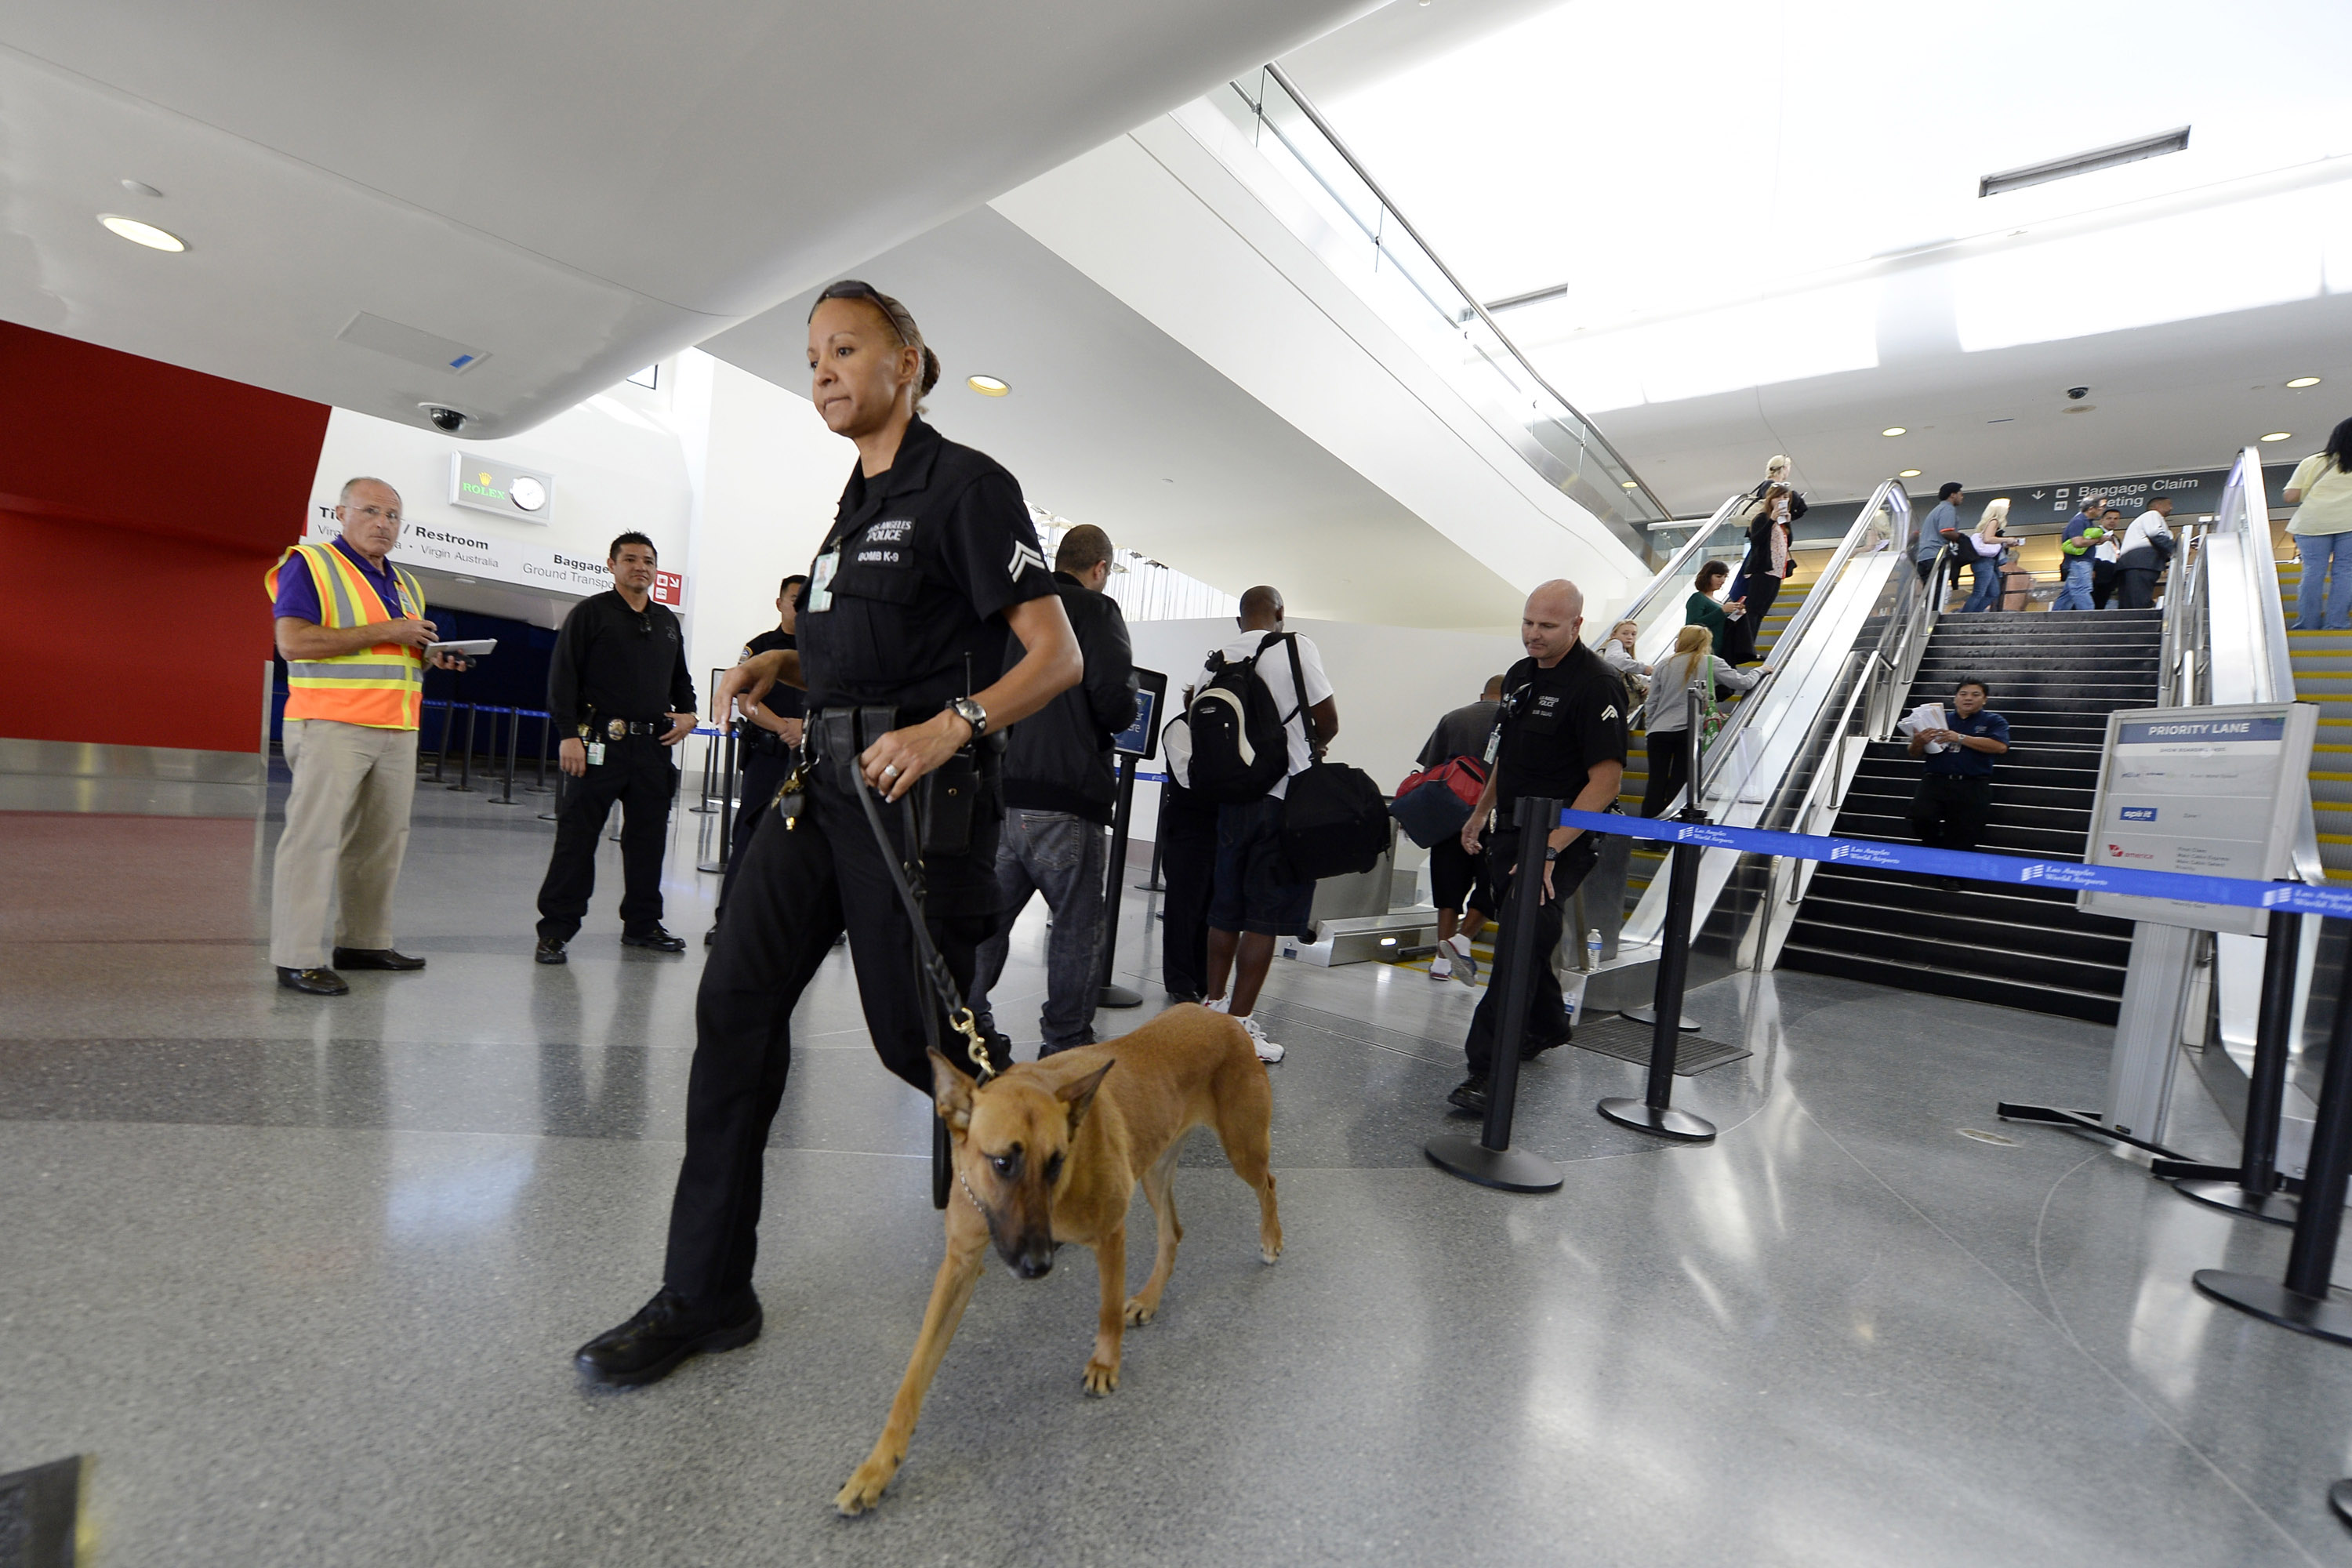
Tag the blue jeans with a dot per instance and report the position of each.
(1988, 589)
(2327, 573)
(1063, 856)
(2075, 584)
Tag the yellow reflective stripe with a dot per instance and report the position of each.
(328, 570)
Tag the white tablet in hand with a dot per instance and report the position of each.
(473, 648)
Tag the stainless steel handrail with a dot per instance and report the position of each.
(1588, 433)
(1665, 575)
(1889, 491)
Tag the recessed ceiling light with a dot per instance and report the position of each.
(1629, 485)
(987, 385)
(2301, 381)
(139, 187)
(2280, 435)
(1908, 474)
(1893, 430)
(145, 233)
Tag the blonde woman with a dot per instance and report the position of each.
(1668, 713)
(1985, 546)
(1618, 654)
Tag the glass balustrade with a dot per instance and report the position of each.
(1370, 247)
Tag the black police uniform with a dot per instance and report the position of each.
(1556, 725)
(766, 760)
(615, 676)
(908, 597)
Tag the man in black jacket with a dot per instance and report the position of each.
(1060, 785)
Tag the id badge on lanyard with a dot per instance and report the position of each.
(820, 582)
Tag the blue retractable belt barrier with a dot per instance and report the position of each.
(1969, 865)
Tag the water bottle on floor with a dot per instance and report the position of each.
(1593, 948)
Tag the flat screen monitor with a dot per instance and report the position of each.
(1140, 740)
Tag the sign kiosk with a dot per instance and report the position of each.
(1139, 741)
(2210, 791)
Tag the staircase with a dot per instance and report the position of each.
(2055, 678)
(1647, 860)
(2323, 674)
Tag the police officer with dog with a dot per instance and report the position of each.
(930, 569)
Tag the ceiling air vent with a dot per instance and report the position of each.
(2099, 158)
(412, 344)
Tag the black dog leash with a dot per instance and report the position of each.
(907, 876)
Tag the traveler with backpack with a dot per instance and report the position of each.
(2148, 545)
(1457, 879)
(1561, 736)
(1258, 714)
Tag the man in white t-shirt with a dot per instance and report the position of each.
(1258, 895)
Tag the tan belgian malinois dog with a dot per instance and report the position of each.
(1048, 1153)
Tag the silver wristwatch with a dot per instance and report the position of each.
(971, 713)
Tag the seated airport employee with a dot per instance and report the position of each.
(931, 568)
(1954, 798)
(1061, 785)
(619, 693)
(1563, 736)
(768, 741)
(352, 627)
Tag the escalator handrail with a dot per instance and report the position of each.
(1666, 574)
(1890, 491)
(1588, 433)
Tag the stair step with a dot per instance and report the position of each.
(2062, 1002)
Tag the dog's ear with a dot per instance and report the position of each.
(951, 1090)
(1079, 1094)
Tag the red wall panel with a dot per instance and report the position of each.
(141, 503)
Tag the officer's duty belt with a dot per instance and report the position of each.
(601, 729)
(842, 734)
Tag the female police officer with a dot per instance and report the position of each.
(930, 564)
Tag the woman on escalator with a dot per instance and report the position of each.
(1983, 555)
(1702, 610)
(1763, 571)
(1667, 714)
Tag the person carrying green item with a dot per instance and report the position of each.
(2080, 535)
(1701, 610)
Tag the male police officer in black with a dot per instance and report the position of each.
(619, 693)
(931, 564)
(1561, 736)
(769, 733)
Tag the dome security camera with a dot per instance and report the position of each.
(2078, 392)
(444, 418)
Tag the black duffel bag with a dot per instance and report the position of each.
(1335, 821)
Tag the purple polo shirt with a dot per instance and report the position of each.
(298, 595)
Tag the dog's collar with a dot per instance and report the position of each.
(966, 1185)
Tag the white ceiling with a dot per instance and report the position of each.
(1768, 222)
(1111, 421)
(572, 192)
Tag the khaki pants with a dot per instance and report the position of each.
(347, 823)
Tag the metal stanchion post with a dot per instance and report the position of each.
(514, 730)
(726, 809)
(2251, 1189)
(1488, 1158)
(1151, 883)
(2302, 1302)
(709, 785)
(441, 742)
(1690, 812)
(464, 785)
(546, 733)
(1113, 995)
(1654, 1112)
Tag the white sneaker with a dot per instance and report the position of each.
(1439, 969)
(1268, 1051)
(1464, 967)
(1222, 1005)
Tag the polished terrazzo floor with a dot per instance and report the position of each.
(303, 1277)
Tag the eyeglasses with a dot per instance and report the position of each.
(892, 311)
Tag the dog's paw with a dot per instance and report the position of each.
(1270, 1246)
(1102, 1377)
(1140, 1311)
(865, 1487)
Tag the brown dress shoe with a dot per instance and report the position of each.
(312, 982)
(375, 958)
